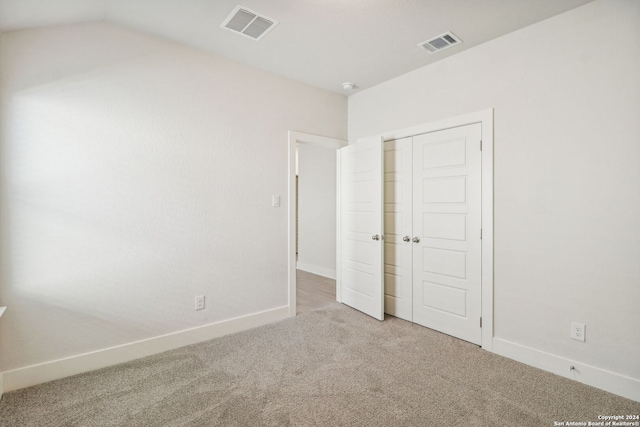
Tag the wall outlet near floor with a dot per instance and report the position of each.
(577, 331)
(200, 302)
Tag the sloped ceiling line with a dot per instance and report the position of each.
(322, 43)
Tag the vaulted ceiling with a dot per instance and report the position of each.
(319, 42)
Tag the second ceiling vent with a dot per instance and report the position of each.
(248, 23)
(441, 42)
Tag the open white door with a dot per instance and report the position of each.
(360, 239)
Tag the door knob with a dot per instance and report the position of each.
(406, 238)
(416, 240)
(376, 237)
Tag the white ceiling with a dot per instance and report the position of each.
(319, 42)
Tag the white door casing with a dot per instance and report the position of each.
(447, 202)
(398, 258)
(360, 238)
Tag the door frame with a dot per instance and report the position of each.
(294, 139)
(485, 118)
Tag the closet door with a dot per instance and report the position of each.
(398, 195)
(361, 224)
(446, 228)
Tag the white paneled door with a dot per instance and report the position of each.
(447, 231)
(432, 229)
(360, 239)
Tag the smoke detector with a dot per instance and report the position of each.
(442, 42)
(248, 23)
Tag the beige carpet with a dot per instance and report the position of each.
(332, 367)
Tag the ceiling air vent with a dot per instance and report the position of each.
(248, 23)
(441, 42)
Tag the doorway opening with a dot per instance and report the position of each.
(311, 220)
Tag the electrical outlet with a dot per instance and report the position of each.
(200, 302)
(577, 331)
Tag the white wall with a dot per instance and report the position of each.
(31, 13)
(317, 209)
(566, 94)
(137, 174)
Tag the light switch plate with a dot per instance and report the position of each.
(275, 201)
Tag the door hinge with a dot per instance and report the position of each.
(481, 322)
(480, 145)
(481, 234)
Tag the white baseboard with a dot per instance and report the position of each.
(37, 374)
(587, 374)
(317, 269)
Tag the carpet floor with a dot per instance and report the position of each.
(331, 367)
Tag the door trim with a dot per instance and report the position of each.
(293, 139)
(485, 118)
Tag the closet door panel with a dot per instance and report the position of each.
(446, 231)
(360, 244)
